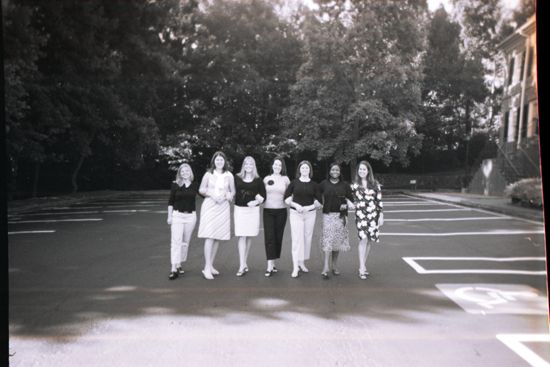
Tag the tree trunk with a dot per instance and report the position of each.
(74, 177)
(35, 179)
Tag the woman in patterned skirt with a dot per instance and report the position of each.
(218, 188)
(367, 197)
(336, 202)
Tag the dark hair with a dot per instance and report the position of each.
(330, 168)
(371, 182)
(300, 165)
(213, 166)
(283, 165)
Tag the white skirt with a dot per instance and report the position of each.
(247, 221)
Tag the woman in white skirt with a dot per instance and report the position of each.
(218, 188)
(181, 217)
(304, 197)
(337, 199)
(249, 194)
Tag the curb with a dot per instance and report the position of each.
(497, 209)
(53, 201)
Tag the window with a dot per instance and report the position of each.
(506, 123)
(511, 70)
(522, 65)
(530, 61)
(525, 121)
(518, 110)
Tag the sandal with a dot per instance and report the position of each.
(335, 272)
(325, 275)
(269, 273)
(173, 275)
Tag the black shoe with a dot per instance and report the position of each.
(325, 275)
(180, 271)
(274, 270)
(173, 275)
(268, 273)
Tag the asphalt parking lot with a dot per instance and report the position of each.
(450, 286)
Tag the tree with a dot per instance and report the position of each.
(22, 46)
(358, 91)
(453, 85)
(240, 63)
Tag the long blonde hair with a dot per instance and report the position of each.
(254, 171)
(179, 178)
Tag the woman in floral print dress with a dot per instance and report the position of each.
(367, 197)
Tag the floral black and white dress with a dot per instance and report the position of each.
(368, 209)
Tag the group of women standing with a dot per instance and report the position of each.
(277, 193)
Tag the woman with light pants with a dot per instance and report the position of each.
(304, 198)
(181, 217)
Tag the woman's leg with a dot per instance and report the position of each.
(208, 244)
(335, 262)
(326, 266)
(362, 256)
(187, 232)
(215, 246)
(176, 244)
(297, 234)
(309, 223)
(269, 237)
(241, 244)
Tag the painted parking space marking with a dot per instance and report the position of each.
(32, 232)
(414, 263)
(452, 234)
(484, 299)
(446, 219)
(427, 210)
(79, 212)
(99, 206)
(56, 220)
(516, 343)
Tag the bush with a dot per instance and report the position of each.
(527, 192)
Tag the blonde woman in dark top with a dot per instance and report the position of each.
(249, 194)
(303, 197)
(367, 197)
(181, 217)
(337, 199)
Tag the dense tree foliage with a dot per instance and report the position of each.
(112, 93)
(358, 91)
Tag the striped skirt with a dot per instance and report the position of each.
(215, 220)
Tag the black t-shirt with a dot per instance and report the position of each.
(335, 195)
(247, 191)
(183, 198)
(303, 193)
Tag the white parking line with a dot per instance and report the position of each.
(449, 234)
(27, 232)
(56, 220)
(515, 342)
(462, 209)
(413, 204)
(445, 219)
(412, 261)
(81, 212)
